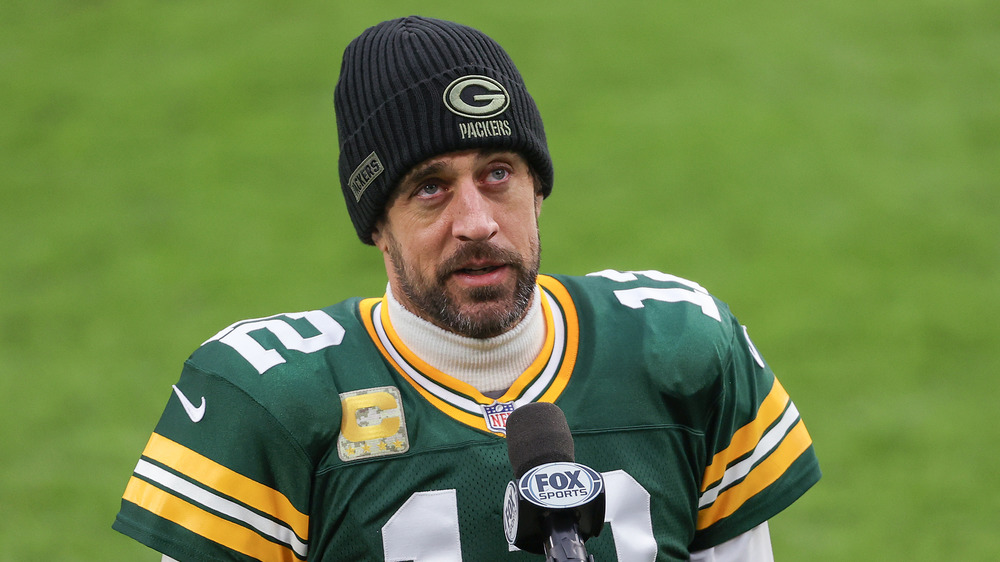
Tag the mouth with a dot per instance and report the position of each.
(479, 265)
(480, 270)
(481, 275)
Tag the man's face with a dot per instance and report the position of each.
(460, 241)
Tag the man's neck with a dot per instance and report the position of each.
(490, 364)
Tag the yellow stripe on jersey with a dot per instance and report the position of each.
(763, 475)
(572, 337)
(747, 437)
(212, 527)
(228, 482)
(531, 373)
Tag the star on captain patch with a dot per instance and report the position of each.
(372, 424)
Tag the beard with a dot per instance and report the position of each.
(479, 312)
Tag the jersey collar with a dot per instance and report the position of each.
(543, 381)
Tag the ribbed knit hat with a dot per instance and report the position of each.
(414, 88)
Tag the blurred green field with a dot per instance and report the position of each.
(830, 170)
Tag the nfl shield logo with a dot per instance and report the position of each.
(496, 416)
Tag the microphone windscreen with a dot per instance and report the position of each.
(537, 433)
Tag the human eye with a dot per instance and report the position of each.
(498, 173)
(428, 189)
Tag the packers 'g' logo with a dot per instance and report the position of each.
(372, 424)
(475, 96)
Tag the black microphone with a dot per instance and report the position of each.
(553, 505)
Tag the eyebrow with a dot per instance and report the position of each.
(420, 174)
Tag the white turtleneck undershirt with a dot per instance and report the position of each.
(491, 364)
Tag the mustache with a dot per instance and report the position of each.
(477, 251)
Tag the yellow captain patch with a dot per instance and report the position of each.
(372, 424)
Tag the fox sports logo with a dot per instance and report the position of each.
(560, 485)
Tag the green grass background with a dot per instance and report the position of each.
(832, 170)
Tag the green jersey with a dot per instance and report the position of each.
(320, 436)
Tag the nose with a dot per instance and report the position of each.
(472, 218)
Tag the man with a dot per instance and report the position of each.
(373, 429)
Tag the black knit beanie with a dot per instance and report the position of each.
(414, 88)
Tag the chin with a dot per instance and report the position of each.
(485, 319)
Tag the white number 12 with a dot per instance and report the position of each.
(238, 337)
(425, 528)
(633, 298)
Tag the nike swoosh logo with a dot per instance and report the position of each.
(194, 413)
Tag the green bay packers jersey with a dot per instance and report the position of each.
(320, 436)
